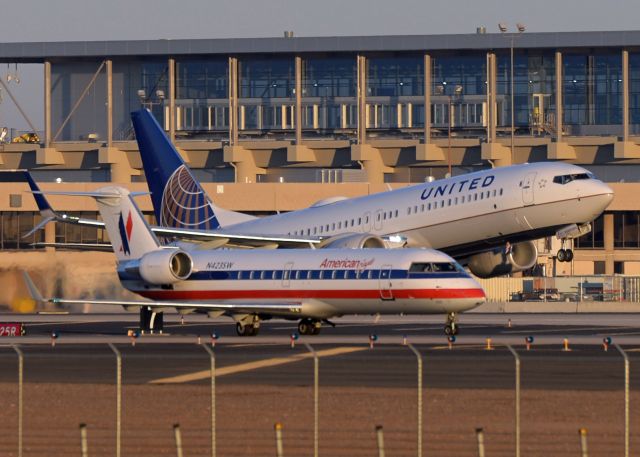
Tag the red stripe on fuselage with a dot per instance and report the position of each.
(309, 294)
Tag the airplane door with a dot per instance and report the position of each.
(384, 283)
(527, 188)
(286, 274)
(377, 220)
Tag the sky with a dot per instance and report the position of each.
(82, 20)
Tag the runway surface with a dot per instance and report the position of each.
(81, 354)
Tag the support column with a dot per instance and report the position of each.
(47, 104)
(625, 149)
(362, 99)
(50, 235)
(172, 99)
(109, 66)
(608, 243)
(233, 101)
(498, 153)
(559, 149)
(427, 150)
(298, 152)
(48, 155)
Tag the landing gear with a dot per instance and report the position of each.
(451, 327)
(246, 330)
(309, 327)
(248, 325)
(564, 255)
(150, 321)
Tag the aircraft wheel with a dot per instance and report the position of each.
(448, 330)
(569, 254)
(244, 330)
(305, 327)
(315, 329)
(561, 255)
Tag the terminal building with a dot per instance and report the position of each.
(276, 124)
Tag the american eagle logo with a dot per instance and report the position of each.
(125, 233)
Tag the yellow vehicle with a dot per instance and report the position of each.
(27, 138)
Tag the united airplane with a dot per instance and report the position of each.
(310, 285)
(486, 219)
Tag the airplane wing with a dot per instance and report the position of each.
(277, 309)
(226, 237)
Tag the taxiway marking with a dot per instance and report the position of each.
(240, 368)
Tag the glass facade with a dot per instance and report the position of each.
(395, 92)
(592, 94)
(592, 91)
(595, 238)
(266, 94)
(202, 96)
(329, 101)
(458, 91)
(14, 225)
(534, 89)
(136, 84)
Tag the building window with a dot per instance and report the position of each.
(598, 267)
(626, 229)
(593, 239)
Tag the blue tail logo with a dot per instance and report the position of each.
(125, 233)
(185, 204)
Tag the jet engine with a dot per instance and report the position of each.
(165, 266)
(504, 260)
(355, 241)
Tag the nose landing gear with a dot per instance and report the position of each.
(564, 255)
(309, 327)
(451, 327)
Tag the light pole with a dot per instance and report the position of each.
(512, 36)
(442, 90)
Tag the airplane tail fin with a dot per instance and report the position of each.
(179, 201)
(129, 233)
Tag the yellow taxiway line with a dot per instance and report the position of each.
(242, 367)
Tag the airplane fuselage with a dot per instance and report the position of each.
(482, 208)
(326, 282)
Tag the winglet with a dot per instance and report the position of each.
(33, 290)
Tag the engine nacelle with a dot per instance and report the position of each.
(354, 241)
(498, 262)
(165, 266)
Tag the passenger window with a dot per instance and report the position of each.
(396, 213)
(500, 191)
(422, 208)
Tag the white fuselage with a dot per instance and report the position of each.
(511, 203)
(326, 282)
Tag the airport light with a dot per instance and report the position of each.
(512, 36)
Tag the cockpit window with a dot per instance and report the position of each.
(435, 267)
(565, 179)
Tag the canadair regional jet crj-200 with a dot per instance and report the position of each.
(312, 285)
(470, 217)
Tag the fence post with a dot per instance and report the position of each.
(626, 399)
(380, 440)
(279, 447)
(583, 442)
(178, 437)
(20, 384)
(517, 357)
(316, 374)
(118, 398)
(83, 440)
(213, 399)
(480, 439)
(419, 358)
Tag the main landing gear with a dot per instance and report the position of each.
(564, 255)
(150, 321)
(309, 326)
(451, 327)
(248, 326)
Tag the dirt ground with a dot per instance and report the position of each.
(246, 416)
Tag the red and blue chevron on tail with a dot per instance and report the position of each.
(125, 233)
